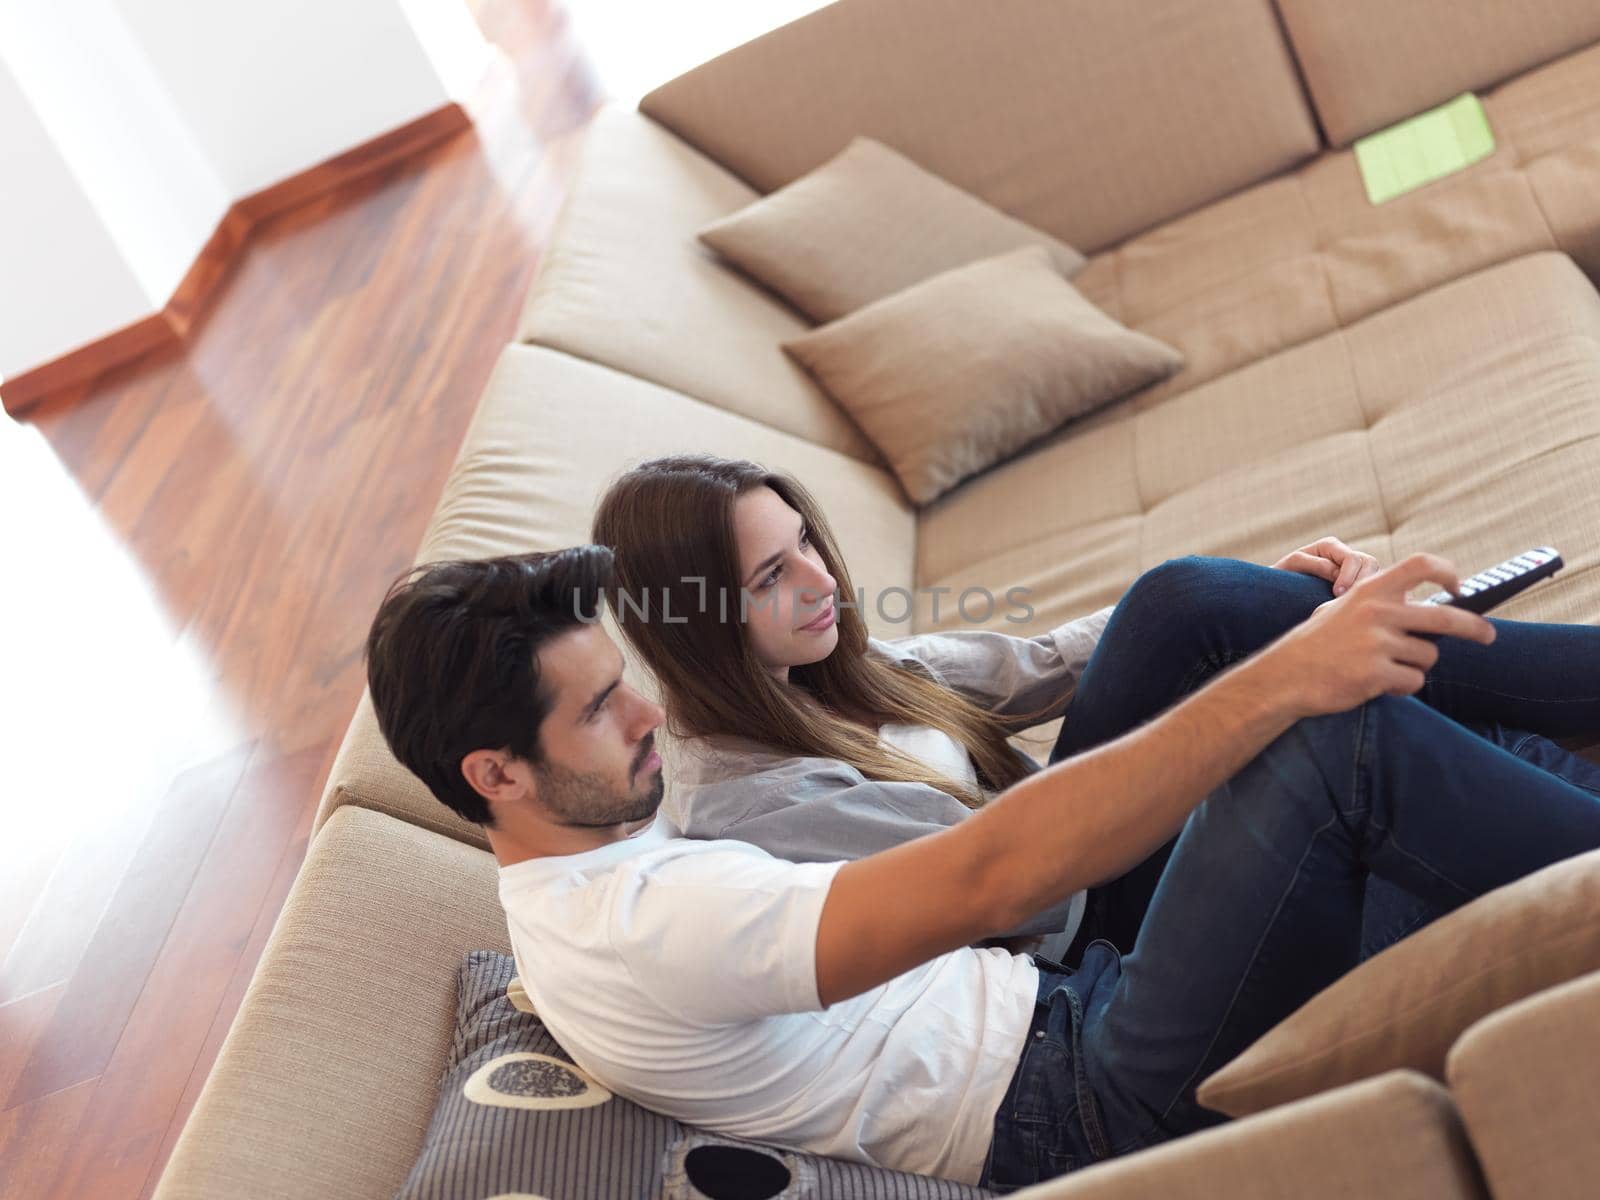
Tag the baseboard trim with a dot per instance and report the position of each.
(219, 255)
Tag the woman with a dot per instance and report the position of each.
(805, 737)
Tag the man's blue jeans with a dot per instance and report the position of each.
(1258, 902)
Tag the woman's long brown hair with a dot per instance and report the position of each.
(670, 525)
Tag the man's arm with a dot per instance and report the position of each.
(1067, 828)
(1096, 815)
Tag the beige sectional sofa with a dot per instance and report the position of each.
(1420, 375)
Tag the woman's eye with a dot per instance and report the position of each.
(772, 577)
(805, 537)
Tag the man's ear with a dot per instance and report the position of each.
(495, 776)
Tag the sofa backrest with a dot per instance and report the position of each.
(1092, 121)
(1370, 63)
(550, 434)
(623, 282)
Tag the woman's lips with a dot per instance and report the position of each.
(822, 621)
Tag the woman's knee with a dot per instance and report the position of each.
(1193, 585)
(1236, 600)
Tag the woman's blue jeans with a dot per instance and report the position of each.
(1186, 620)
(1258, 904)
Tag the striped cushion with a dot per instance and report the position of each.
(516, 1117)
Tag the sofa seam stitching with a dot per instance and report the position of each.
(1538, 204)
(1366, 435)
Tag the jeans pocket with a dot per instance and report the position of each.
(1102, 963)
(1050, 1121)
(1038, 1137)
(1046, 1097)
(1037, 1134)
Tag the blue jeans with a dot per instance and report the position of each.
(1188, 619)
(1258, 903)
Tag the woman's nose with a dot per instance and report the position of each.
(817, 584)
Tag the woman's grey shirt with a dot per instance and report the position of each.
(821, 810)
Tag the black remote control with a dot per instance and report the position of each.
(1487, 589)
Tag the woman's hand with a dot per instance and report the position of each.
(1329, 558)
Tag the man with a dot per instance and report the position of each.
(842, 1008)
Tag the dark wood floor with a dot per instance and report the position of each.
(195, 544)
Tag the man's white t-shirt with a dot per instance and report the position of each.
(682, 974)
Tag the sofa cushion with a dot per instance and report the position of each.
(1262, 270)
(1527, 1080)
(1405, 1006)
(549, 435)
(1298, 256)
(966, 368)
(1397, 1136)
(623, 282)
(1089, 121)
(517, 1117)
(1462, 422)
(867, 223)
(1370, 63)
(326, 1081)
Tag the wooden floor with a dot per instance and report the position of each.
(193, 547)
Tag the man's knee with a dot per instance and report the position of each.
(1334, 742)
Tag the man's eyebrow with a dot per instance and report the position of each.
(599, 698)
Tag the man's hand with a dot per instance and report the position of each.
(1371, 641)
(1329, 558)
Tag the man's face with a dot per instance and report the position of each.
(599, 767)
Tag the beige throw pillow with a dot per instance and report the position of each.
(864, 225)
(964, 369)
(1407, 1006)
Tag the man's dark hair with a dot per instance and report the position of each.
(453, 659)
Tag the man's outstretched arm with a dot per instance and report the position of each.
(1091, 818)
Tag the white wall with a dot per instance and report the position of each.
(301, 81)
(143, 120)
(115, 126)
(61, 271)
(637, 45)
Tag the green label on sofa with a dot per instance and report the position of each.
(1423, 148)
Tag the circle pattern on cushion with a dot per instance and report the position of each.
(518, 995)
(532, 1081)
(736, 1173)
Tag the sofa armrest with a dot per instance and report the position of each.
(328, 1078)
(1527, 1080)
(1397, 1136)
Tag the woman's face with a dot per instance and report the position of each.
(789, 611)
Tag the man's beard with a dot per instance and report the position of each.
(591, 801)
